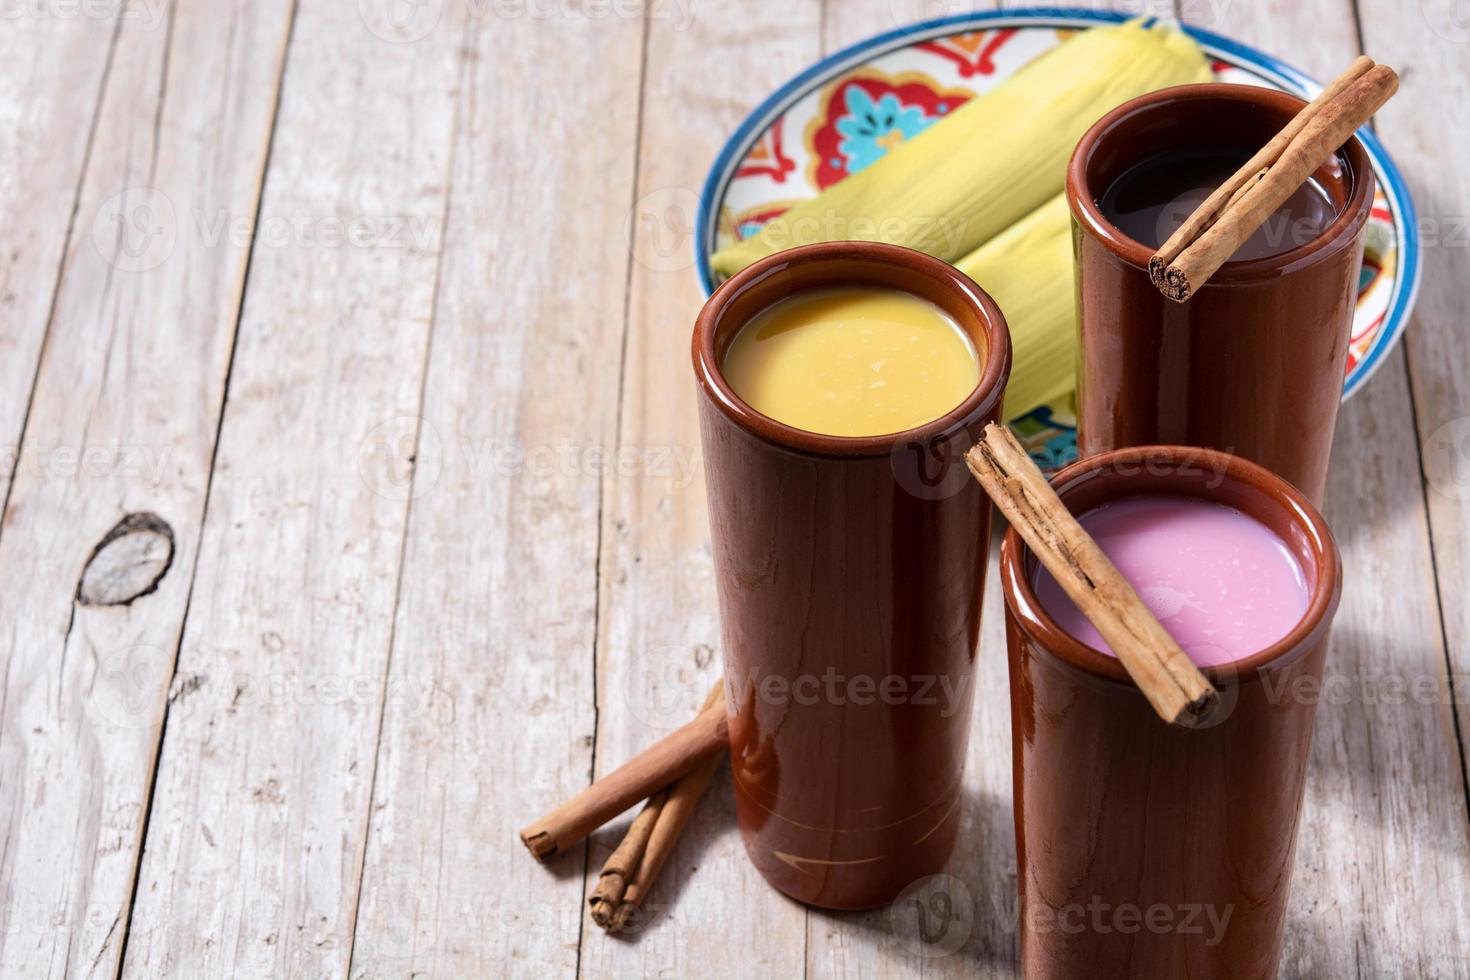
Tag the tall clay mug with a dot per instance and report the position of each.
(849, 572)
(1145, 850)
(1253, 363)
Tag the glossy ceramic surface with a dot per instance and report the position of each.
(1122, 820)
(1251, 363)
(850, 573)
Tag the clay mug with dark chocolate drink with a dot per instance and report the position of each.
(1146, 850)
(1253, 362)
(849, 571)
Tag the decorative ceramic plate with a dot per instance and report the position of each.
(811, 134)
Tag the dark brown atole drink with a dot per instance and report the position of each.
(1151, 199)
(1253, 361)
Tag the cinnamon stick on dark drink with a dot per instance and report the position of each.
(1230, 192)
(1163, 672)
(645, 774)
(1239, 206)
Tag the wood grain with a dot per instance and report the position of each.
(436, 551)
(658, 630)
(1432, 41)
(50, 95)
(497, 610)
(1380, 887)
(123, 422)
(254, 849)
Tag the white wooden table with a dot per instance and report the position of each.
(354, 310)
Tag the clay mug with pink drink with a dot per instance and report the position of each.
(1145, 849)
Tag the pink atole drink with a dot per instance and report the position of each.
(1223, 584)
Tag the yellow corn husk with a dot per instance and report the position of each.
(993, 160)
(1027, 270)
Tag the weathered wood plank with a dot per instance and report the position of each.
(285, 838)
(1431, 46)
(497, 612)
(50, 90)
(123, 422)
(254, 849)
(1382, 881)
(846, 22)
(658, 630)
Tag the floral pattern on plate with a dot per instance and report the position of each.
(856, 105)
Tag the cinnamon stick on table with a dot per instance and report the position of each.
(637, 779)
(623, 863)
(1163, 672)
(634, 859)
(1253, 193)
(673, 815)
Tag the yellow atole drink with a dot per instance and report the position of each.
(852, 361)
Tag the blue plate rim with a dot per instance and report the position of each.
(1245, 57)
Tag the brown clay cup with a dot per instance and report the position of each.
(1253, 363)
(849, 573)
(1145, 850)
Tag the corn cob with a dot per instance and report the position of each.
(993, 160)
(1027, 270)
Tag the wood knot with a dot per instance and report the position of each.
(129, 561)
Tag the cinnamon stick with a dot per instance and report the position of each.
(612, 883)
(624, 861)
(1238, 207)
(673, 815)
(640, 777)
(1163, 672)
(1251, 171)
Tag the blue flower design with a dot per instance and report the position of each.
(871, 129)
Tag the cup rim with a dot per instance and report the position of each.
(1083, 201)
(1032, 618)
(982, 401)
